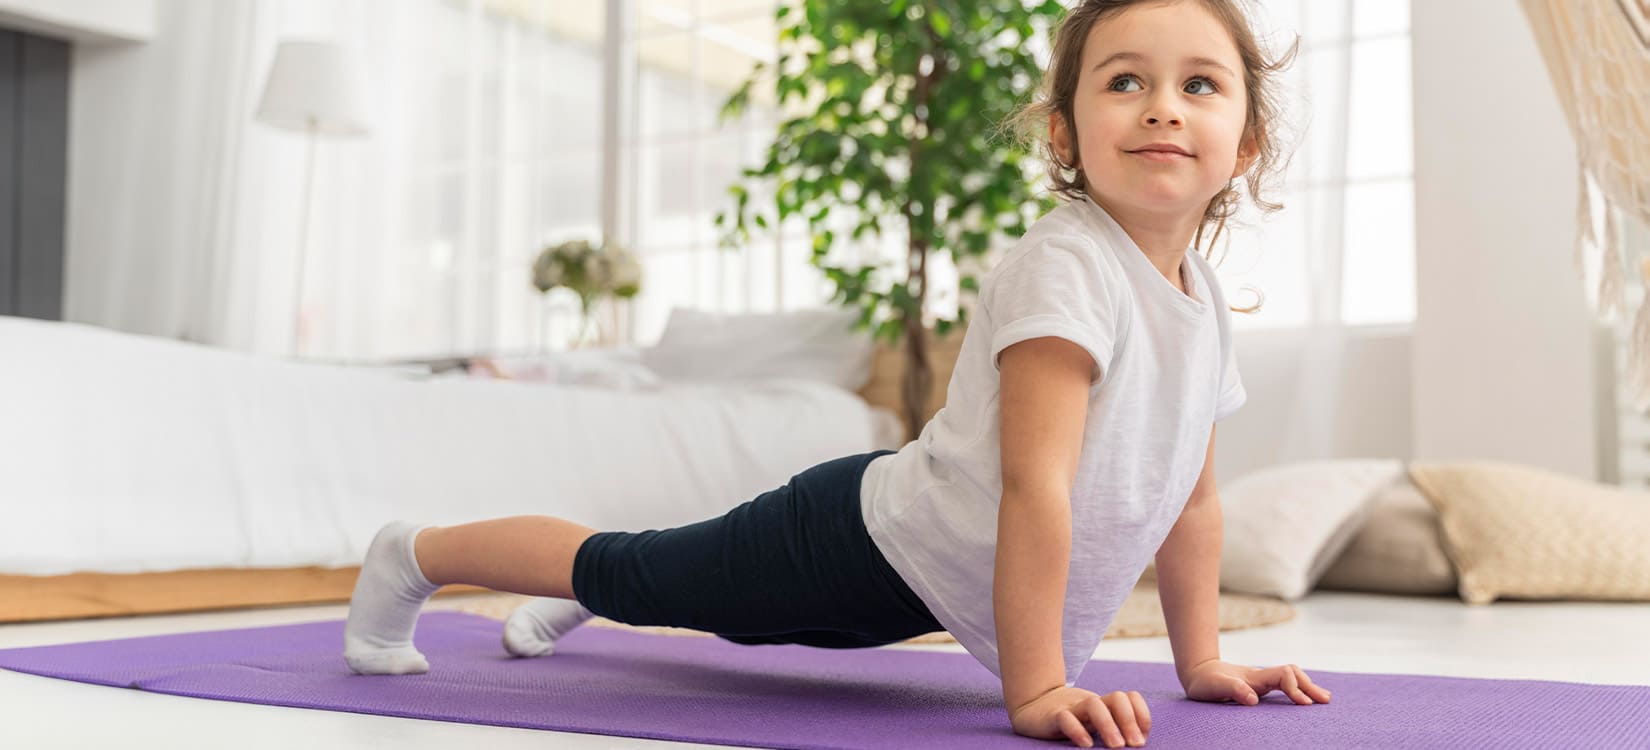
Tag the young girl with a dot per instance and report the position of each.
(1076, 441)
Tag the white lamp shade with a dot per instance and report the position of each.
(314, 85)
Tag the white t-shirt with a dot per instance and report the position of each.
(1166, 374)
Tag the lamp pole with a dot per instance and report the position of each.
(313, 88)
(303, 238)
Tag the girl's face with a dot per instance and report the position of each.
(1159, 110)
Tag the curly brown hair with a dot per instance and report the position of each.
(1058, 92)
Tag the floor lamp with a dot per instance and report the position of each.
(313, 88)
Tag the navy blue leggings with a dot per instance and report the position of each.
(794, 565)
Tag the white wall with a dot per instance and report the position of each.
(1371, 398)
(1504, 343)
(82, 20)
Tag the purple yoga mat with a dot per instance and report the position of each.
(606, 681)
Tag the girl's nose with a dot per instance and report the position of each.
(1160, 110)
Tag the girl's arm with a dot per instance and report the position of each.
(1043, 405)
(1188, 575)
(1188, 584)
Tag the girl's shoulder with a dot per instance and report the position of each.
(1067, 220)
(1057, 259)
(1063, 239)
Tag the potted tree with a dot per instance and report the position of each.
(895, 121)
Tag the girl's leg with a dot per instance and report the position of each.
(407, 563)
(522, 554)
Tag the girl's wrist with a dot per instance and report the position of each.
(1188, 673)
(1014, 708)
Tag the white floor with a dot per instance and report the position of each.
(1575, 642)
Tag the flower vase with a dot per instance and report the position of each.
(545, 314)
(589, 332)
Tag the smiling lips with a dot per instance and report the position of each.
(1161, 152)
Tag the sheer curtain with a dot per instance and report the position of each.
(487, 147)
(484, 146)
(157, 179)
(1294, 258)
(1318, 181)
(1338, 262)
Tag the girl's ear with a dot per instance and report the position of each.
(1059, 136)
(1247, 151)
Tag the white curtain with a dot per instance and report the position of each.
(156, 179)
(184, 210)
(1296, 257)
(1310, 427)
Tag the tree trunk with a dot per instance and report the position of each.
(919, 371)
(919, 378)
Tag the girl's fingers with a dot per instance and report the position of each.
(1122, 710)
(1104, 724)
(1288, 679)
(1317, 692)
(1073, 729)
(1292, 686)
(1142, 714)
(1246, 694)
(1263, 681)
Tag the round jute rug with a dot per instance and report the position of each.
(1140, 617)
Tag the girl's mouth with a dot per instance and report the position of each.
(1160, 156)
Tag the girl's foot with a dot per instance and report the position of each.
(533, 628)
(384, 607)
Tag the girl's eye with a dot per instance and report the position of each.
(1195, 81)
(1124, 79)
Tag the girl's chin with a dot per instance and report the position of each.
(1160, 199)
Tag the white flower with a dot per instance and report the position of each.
(589, 271)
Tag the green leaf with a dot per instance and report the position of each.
(941, 22)
(890, 330)
(870, 151)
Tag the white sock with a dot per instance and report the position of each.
(533, 628)
(384, 607)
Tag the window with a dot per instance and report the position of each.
(690, 55)
(1343, 248)
(493, 143)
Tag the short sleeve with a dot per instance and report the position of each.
(1061, 287)
(1232, 395)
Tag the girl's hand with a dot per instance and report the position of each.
(1218, 681)
(1118, 717)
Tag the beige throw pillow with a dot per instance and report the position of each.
(1524, 533)
(1399, 550)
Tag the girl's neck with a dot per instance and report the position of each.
(1162, 237)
